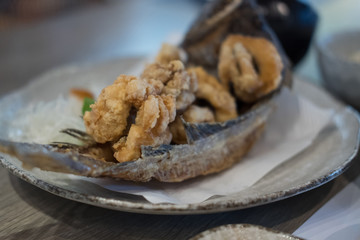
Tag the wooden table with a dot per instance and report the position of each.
(27, 212)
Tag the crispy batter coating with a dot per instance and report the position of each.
(194, 114)
(150, 128)
(158, 94)
(166, 91)
(157, 72)
(138, 90)
(170, 104)
(197, 114)
(168, 53)
(185, 99)
(107, 119)
(212, 91)
(177, 81)
(236, 65)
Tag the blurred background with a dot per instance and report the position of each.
(38, 35)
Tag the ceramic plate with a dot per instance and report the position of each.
(244, 232)
(329, 155)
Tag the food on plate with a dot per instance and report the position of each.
(196, 110)
(164, 91)
(108, 116)
(240, 56)
(193, 114)
(169, 53)
(151, 128)
(219, 97)
(176, 81)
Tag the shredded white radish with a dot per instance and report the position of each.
(41, 122)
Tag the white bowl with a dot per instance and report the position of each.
(339, 61)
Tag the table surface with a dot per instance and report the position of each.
(27, 212)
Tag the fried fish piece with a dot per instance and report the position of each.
(177, 81)
(211, 90)
(169, 53)
(238, 56)
(194, 114)
(151, 128)
(107, 119)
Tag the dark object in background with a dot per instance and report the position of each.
(220, 18)
(294, 23)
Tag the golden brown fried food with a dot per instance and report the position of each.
(166, 88)
(168, 53)
(197, 114)
(177, 82)
(157, 72)
(138, 90)
(107, 122)
(212, 91)
(194, 114)
(236, 65)
(107, 119)
(150, 128)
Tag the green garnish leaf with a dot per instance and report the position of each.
(86, 105)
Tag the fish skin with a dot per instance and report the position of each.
(167, 163)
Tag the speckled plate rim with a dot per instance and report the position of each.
(243, 228)
(227, 203)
